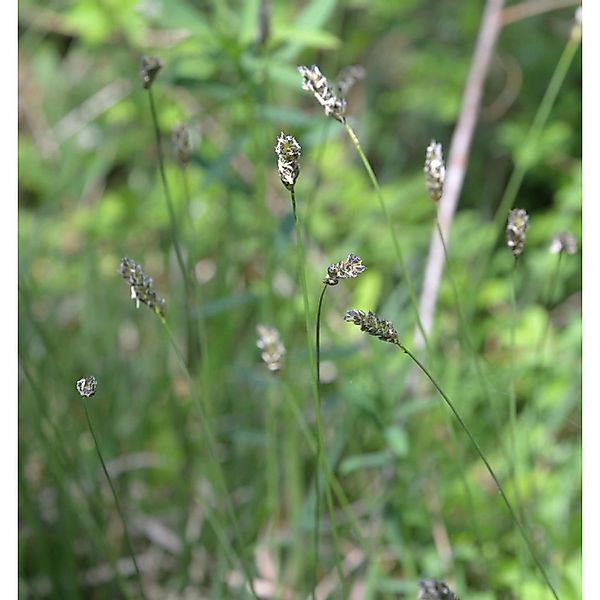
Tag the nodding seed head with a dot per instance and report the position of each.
(370, 323)
(516, 228)
(271, 345)
(430, 589)
(435, 170)
(181, 143)
(149, 68)
(288, 152)
(349, 268)
(314, 81)
(87, 386)
(563, 242)
(142, 286)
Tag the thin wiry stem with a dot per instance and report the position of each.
(317, 490)
(521, 166)
(512, 387)
(216, 465)
(316, 399)
(65, 462)
(539, 359)
(551, 289)
(388, 219)
(196, 342)
(481, 454)
(337, 488)
(467, 338)
(116, 498)
(458, 157)
(170, 208)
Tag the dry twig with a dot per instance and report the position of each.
(458, 159)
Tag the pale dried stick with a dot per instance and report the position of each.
(458, 161)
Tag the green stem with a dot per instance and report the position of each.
(336, 486)
(170, 208)
(65, 464)
(388, 219)
(521, 166)
(316, 399)
(499, 487)
(196, 342)
(466, 339)
(551, 289)
(116, 498)
(319, 446)
(512, 389)
(272, 468)
(216, 465)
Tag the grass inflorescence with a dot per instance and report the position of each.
(258, 447)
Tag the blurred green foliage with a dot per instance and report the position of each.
(90, 194)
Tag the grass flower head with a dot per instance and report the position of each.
(563, 242)
(142, 286)
(435, 170)
(273, 350)
(288, 152)
(370, 323)
(516, 228)
(349, 268)
(87, 386)
(181, 143)
(430, 589)
(314, 81)
(149, 68)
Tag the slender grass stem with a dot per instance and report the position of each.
(165, 185)
(218, 474)
(319, 445)
(512, 408)
(320, 458)
(466, 340)
(492, 473)
(272, 468)
(336, 486)
(512, 386)
(171, 210)
(549, 297)
(196, 335)
(388, 219)
(65, 464)
(531, 139)
(539, 360)
(116, 498)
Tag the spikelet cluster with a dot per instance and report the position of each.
(349, 268)
(142, 286)
(149, 68)
(181, 144)
(273, 350)
(435, 170)
(314, 81)
(516, 228)
(370, 323)
(288, 152)
(563, 242)
(430, 589)
(87, 386)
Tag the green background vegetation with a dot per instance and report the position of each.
(90, 194)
